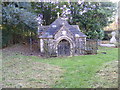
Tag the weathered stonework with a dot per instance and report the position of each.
(62, 40)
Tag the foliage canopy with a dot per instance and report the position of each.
(20, 18)
(91, 17)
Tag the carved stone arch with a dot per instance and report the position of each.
(72, 44)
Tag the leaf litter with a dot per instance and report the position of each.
(20, 71)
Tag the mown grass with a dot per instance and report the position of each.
(20, 71)
(79, 70)
(107, 76)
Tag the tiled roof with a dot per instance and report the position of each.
(57, 25)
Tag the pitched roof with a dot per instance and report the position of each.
(75, 30)
(43, 28)
(76, 26)
(59, 21)
(50, 32)
(57, 25)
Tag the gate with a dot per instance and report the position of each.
(63, 48)
(91, 46)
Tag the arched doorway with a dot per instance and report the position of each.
(63, 48)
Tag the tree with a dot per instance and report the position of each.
(91, 17)
(48, 10)
(19, 18)
(19, 21)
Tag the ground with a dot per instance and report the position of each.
(20, 71)
(108, 75)
(23, 68)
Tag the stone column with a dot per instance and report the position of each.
(41, 45)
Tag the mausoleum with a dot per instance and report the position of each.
(61, 39)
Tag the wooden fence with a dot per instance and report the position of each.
(82, 48)
(91, 46)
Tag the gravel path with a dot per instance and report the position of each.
(107, 45)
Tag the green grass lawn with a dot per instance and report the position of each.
(77, 71)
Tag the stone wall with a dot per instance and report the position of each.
(77, 44)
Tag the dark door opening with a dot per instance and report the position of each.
(64, 48)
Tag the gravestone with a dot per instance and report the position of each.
(113, 39)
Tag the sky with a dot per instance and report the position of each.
(115, 0)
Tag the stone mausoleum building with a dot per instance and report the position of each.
(61, 39)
